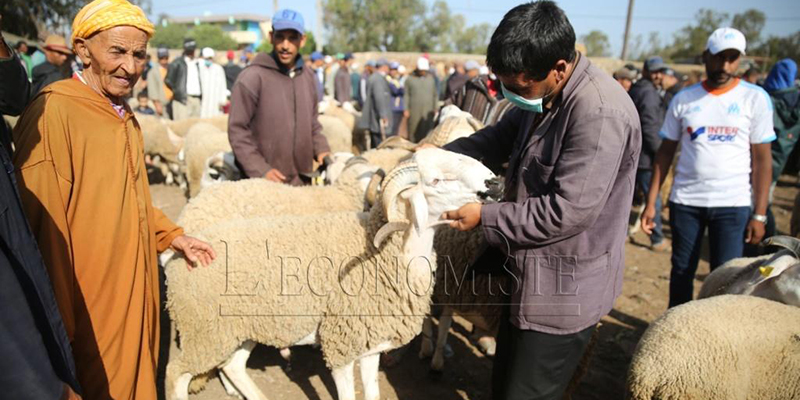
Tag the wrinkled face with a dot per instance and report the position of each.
(287, 44)
(115, 58)
(451, 180)
(721, 67)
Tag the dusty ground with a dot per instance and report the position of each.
(468, 372)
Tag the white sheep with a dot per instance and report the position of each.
(161, 146)
(182, 127)
(364, 289)
(721, 348)
(251, 198)
(453, 124)
(339, 136)
(202, 142)
(774, 276)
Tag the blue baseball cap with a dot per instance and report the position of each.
(316, 56)
(288, 19)
(655, 63)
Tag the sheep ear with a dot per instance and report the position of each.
(419, 207)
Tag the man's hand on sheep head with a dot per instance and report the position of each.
(321, 157)
(194, 250)
(465, 218)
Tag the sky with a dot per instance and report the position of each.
(663, 16)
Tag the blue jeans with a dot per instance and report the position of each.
(726, 231)
(643, 178)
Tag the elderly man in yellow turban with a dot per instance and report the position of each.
(83, 183)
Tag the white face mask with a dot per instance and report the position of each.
(451, 71)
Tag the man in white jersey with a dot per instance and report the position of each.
(724, 126)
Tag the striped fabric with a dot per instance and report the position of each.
(101, 15)
(475, 99)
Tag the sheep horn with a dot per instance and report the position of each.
(396, 142)
(373, 186)
(387, 229)
(439, 135)
(475, 124)
(355, 160)
(787, 242)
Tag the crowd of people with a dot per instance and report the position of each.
(80, 236)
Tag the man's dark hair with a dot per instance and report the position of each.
(20, 44)
(531, 38)
(141, 95)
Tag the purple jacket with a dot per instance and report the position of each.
(273, 121)
(569, 189)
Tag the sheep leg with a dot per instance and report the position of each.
(286, 354)
(445, 320)
(236, 370)
(182, 387)
(426, 347)
(230, 389)
(369, 376)
(345, 383)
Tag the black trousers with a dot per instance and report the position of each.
(530, 365)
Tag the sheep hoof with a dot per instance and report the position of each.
(487, 345)
(425, 349)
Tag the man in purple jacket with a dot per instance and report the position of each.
(273, 126)
(572, 144)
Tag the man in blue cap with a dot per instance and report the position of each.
(646, 97)
(318, 64)
(377, 111)
(273, 126)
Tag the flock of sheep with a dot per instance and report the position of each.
(355, 266)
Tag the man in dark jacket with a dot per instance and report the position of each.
(183, 78)
(273, 126)
(232, 70)
(35, 355)
(56, 66)
(785, 95)
(377, 111)
(649, 103)
(572, 144)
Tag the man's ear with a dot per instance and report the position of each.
(302, 43)
(561, 69)
(81, 47)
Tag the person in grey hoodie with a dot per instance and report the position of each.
(273, 126)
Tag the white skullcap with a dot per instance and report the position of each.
(423, 64)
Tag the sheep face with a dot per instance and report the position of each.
(417, 192)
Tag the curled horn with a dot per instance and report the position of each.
(355, 160)
(441, 133)
(371, 194)
(396, 142)
(787, 242)
(400, 178)
(474, 123)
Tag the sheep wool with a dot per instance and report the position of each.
(340, 137)
(720, 348)
(202, 141)
(251, 198)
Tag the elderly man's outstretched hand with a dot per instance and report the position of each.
(194, 250)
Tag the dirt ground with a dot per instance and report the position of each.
(468, 373)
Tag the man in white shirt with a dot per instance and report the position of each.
(724, 126)
(212, 79)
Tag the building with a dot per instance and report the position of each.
(245, 29)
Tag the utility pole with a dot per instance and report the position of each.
(318, 26)
(627, 31)
(274, 6)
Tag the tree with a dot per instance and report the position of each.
(369, 25)
(750, 23)
(475, 39)
(212, 36)
(690, 42)
(597, 44)
(170, 36)
(32, 17)
(777, 48)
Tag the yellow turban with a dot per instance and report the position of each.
(101, 15)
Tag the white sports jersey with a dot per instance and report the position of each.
(715, 129)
